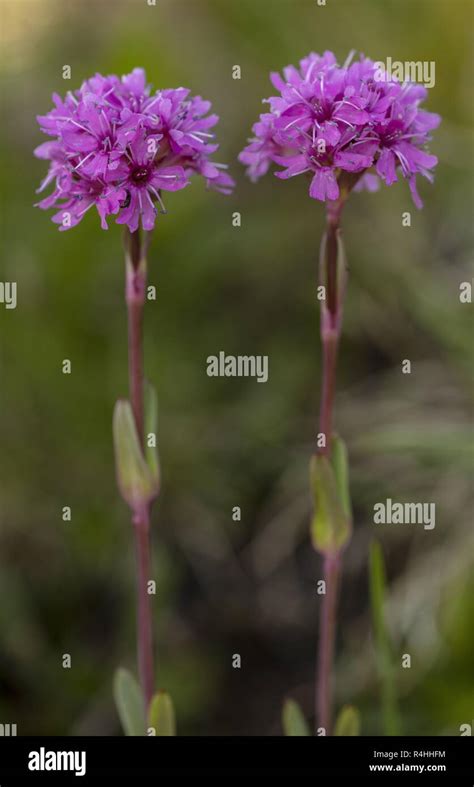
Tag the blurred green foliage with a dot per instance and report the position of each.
(293, 722)
(387, 671)
(227, 587)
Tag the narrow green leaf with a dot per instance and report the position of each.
(377, 592)
(341, 265)
(383, 645)
(129, 702)
(162, 715)
(151, 427)
(133, 475)
(340, 465)
(294, 722)
(332, 252)
(330, 526)
(348, 722)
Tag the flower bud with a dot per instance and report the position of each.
(162, 716)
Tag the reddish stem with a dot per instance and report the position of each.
(141, 522)
(330, 329)
(328, 385)
(327, 634)
(135, 354)
(135, 297)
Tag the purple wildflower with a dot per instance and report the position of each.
(329, 120)
(117, 146)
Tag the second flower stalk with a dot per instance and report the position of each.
(332, 522)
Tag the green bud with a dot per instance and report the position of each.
(348, 722)
(136, 482)
(294, 722)
(162, 716)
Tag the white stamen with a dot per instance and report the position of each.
(403, 162)
(348, 59)
(151, 201)
(75, 123)
(304, 100)
(83, 161)
(350, 104)
(158, 197)
(310, 71)
(300, 172)
(157, 98)
(367, 139)
(104, 116)
(340, 120)
(291, 123)
(86, 209)
(193, 136)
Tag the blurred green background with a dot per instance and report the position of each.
(226, 587)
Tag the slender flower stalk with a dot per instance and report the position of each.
(331, 324)
(327, 634)
(117, 146)
(135, 290)
(141, 522)
(344, 128)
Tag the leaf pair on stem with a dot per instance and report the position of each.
(138, 471)
(295, 724)
(130, 706)
(331, 526)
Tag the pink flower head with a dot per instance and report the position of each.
(117, 146)
(328, 120)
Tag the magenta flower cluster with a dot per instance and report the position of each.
(117, 146)
(329, 120)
